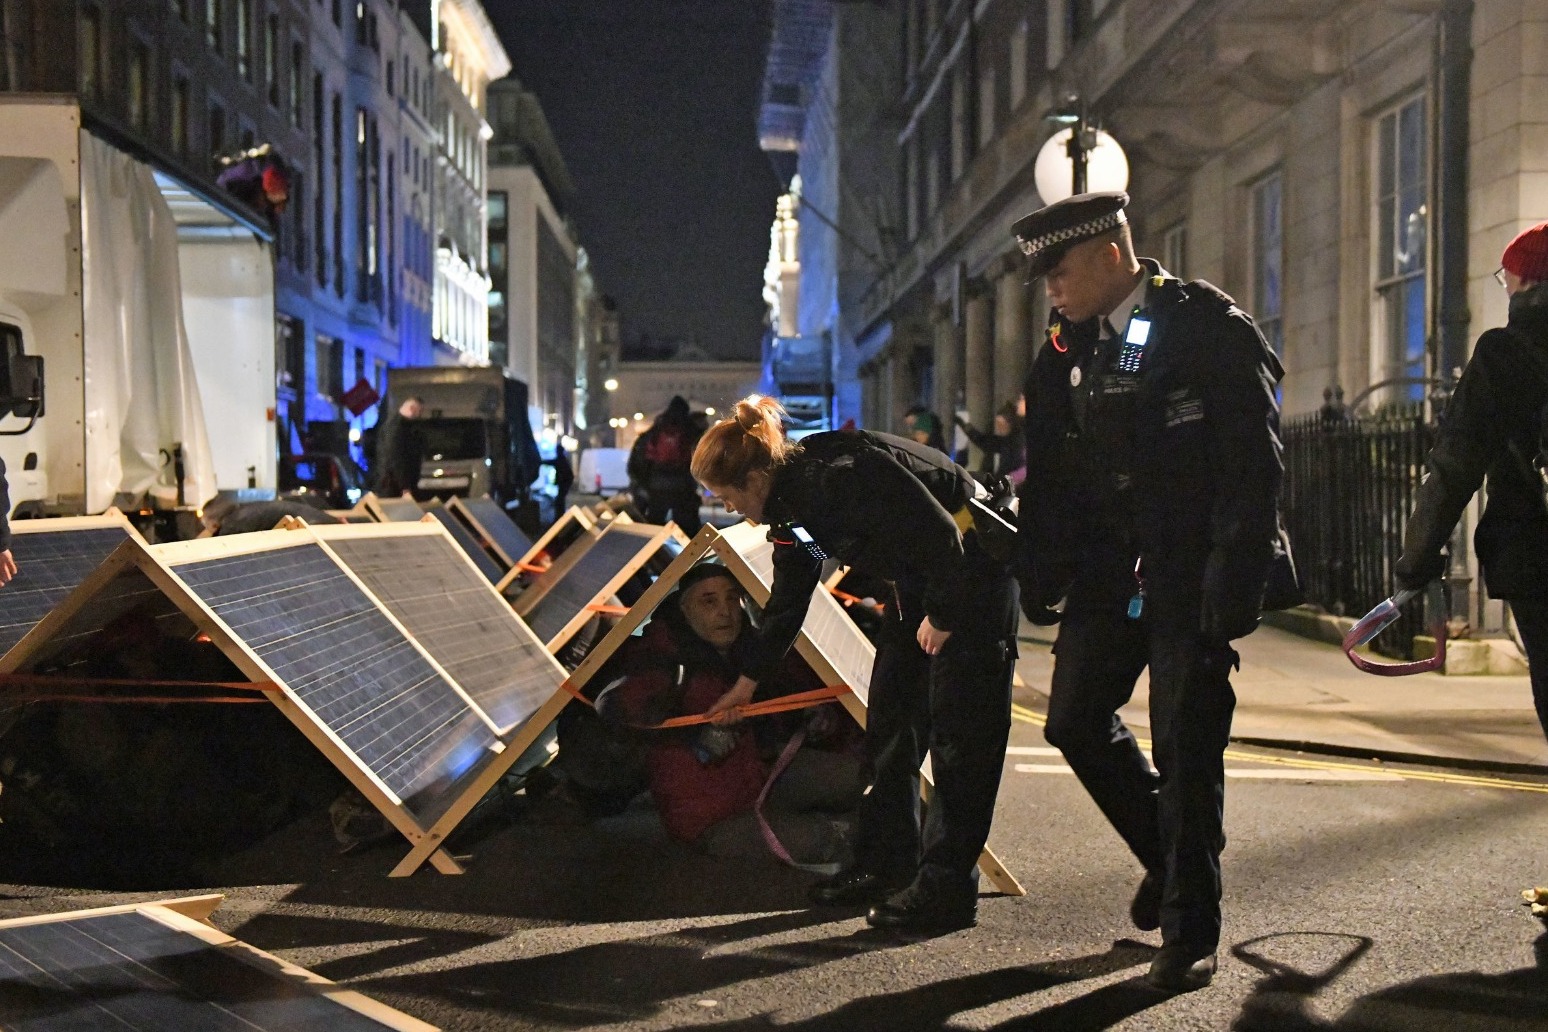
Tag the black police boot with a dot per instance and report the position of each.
(936, 902)
(1145, 911)
(1178, 968)
(854, 886)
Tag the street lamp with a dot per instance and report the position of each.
(1095, 160)
(611, 383)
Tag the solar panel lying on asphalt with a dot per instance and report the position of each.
(427, 584)
(52, 558)
(490, 521)
(468, 543)
(157, 967)
(589, 573)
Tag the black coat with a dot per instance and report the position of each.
(1178, 463)
(878, 503)
(1491, 429)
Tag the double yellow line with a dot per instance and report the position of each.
(1028, 716)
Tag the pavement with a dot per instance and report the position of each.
(1299, 693)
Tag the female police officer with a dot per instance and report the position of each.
(942, 676)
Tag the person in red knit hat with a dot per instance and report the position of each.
(1494, 428)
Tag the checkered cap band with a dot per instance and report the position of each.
(1079, 231)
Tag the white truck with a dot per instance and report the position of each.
(153, 312)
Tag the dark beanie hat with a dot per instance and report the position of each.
(1527, 255)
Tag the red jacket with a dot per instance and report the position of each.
(671, 672)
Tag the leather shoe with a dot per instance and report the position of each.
(1179, 969)
(1145, 911)
(930, 904)
(853, 887)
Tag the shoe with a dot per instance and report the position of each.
(930, 904)
(1145, 911)
(1179, 969)
(854, 886)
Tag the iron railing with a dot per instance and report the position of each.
(1349, 487)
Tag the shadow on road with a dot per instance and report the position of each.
(1468, 1001)
(929, 1007)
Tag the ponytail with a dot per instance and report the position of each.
(751, 441)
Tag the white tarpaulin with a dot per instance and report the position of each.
(142, 397)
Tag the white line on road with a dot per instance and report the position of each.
(1270, 774)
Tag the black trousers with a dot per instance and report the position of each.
(1532, 622)
(1172, 816)
(956, 707)
(678, 502)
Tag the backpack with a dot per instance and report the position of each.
(667, 448)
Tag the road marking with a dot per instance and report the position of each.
(1029, 716)
(1031, 750)
(1312, 774)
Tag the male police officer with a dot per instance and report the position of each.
(1153, 470)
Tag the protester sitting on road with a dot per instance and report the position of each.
(223, 517)
(706, 778)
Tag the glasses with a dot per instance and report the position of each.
(1499, 276)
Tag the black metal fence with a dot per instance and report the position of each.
(1349, 487)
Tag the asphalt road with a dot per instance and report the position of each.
(1358, 897)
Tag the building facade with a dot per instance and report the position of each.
(1349, 171)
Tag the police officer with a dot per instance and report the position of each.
(1149, 508)
(941, 682)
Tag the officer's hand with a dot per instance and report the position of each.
(931, 638)
(7, 567)
(1038, 614)
(1415, 572)
(724, 710)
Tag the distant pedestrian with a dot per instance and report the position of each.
(659, 473)
(924, 426)
(400, 450)
(1493, 429)
(1153, 471)
(564, 479)
(1004, 446)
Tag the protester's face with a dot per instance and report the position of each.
(1513, 283)
(1002, 426)
(713, 609)
(922, 436)
(1079, 283)
(410, 409)
(748, 499)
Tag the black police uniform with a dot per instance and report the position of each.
(883, 505)
(1493, 426)
(1166, 455)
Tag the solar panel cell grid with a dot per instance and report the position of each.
(469, 544)
(323, 638)
(492, 520)
(581, 584)
(50, 565)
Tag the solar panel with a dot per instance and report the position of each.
(490, 520)
(468, 543)
(581, 584)
(343, 658)
(400, 510)
(51, 562)
(469, 629)
(149, 968)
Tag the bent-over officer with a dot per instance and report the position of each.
(941, 680)
(1149, 508)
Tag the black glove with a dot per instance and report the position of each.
(1415, 572)
(1039, 614)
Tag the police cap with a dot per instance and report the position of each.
(1047, 233)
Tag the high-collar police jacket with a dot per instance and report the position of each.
(1166, 450)
(873, 501)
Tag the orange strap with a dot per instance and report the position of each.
(607, 610)
(782, 704)
(849, 600)
(530, 568)
(37, 688)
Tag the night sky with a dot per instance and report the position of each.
(654, 104)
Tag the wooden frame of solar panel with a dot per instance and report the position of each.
(402, 509)
(160, 565)
(189, 917)
(829, 641)
(574, 521)
(643, 542)
(22, 602)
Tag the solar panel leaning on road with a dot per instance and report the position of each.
(589, 573)
(469, 544)
(52, 557)
(392, 510)
(285, 609)
(158, 967)
(490, 521)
